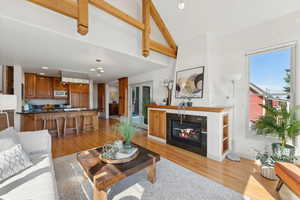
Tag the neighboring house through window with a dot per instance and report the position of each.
(269, 80)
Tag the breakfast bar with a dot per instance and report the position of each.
(60, 122)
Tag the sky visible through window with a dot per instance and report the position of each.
(267, 71)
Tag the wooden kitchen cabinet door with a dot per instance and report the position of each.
(58, 85)
(84, 100)
(123, 96)
(30, 85)
(157, 123)
(44, 87)
(75, 99)
(101, 97)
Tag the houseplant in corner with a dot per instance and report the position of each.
(127, 130)
(280, 123)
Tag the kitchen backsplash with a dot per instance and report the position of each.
(47, 101)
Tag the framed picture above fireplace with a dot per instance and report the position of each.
(189, 83)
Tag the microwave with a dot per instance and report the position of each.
(60, 93)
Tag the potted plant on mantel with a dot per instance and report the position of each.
(279, 122)
(127, 130)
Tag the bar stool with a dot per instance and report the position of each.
(50, 118)
(88, 123)
(74, 118)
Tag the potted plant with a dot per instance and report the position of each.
(267, 162)
(279, 122)
(127, 130)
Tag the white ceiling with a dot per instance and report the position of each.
(220, 16)
(33, 48)
(21, 42)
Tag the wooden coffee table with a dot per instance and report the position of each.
(105, 175)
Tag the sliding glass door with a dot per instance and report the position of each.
(141, 95)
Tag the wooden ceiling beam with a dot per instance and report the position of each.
(162, 26)
(65, 7)
(101, 4)
(78, 9)
(147, 29)
(160, 48)
(83, 17)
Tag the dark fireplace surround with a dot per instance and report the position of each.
(188, 132)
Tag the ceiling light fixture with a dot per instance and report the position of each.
(181, 5)
(92, 70)
(99, 69)
(45, 68)
(42, 74)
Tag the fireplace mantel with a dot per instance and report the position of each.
(203, 109)
(218, 126)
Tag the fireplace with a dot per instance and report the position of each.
(188, 132)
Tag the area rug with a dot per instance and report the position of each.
(173, 183)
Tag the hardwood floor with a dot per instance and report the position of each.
(243, 177)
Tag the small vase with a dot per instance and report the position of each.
(268, 172)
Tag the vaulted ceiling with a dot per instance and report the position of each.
(34, 36)
(220, 16)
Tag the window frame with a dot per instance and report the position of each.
(290, 45)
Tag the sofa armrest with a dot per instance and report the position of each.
(35, 141)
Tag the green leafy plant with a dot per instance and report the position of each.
(278, 122)
(126, 129)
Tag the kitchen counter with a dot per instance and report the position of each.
(56, 111)
(60, 120)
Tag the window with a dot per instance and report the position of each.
(269, 80)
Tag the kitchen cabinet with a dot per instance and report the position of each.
(44, 87)
(30, 85)
(79, 95)
(58, 85)
(157, 123)
(101, 97)
(123, 96)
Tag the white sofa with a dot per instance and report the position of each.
(38, 181)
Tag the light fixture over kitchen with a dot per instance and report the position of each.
(98, 69)
(181, 5)
(45, 68)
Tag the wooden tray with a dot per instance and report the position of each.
(120, 161)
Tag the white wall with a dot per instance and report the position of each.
(227, 56)
(95, 96)
(157, 77)
(193, 54)
(113, 93)
(223, 56)
(18, 81)
(1, 77)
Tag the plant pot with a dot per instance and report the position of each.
(268, 172)
(287, 150)
(128, 145)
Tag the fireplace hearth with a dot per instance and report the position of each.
(188, 132)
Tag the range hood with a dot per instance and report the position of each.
(74, 77)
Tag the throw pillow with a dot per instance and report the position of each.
(13, 161)
(8, 139)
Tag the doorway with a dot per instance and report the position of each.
(140, 96)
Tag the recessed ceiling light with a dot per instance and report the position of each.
(92, 70)
(98, 75)
(101, 70)
(45, 67)
(181, 5)
(42, 74)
